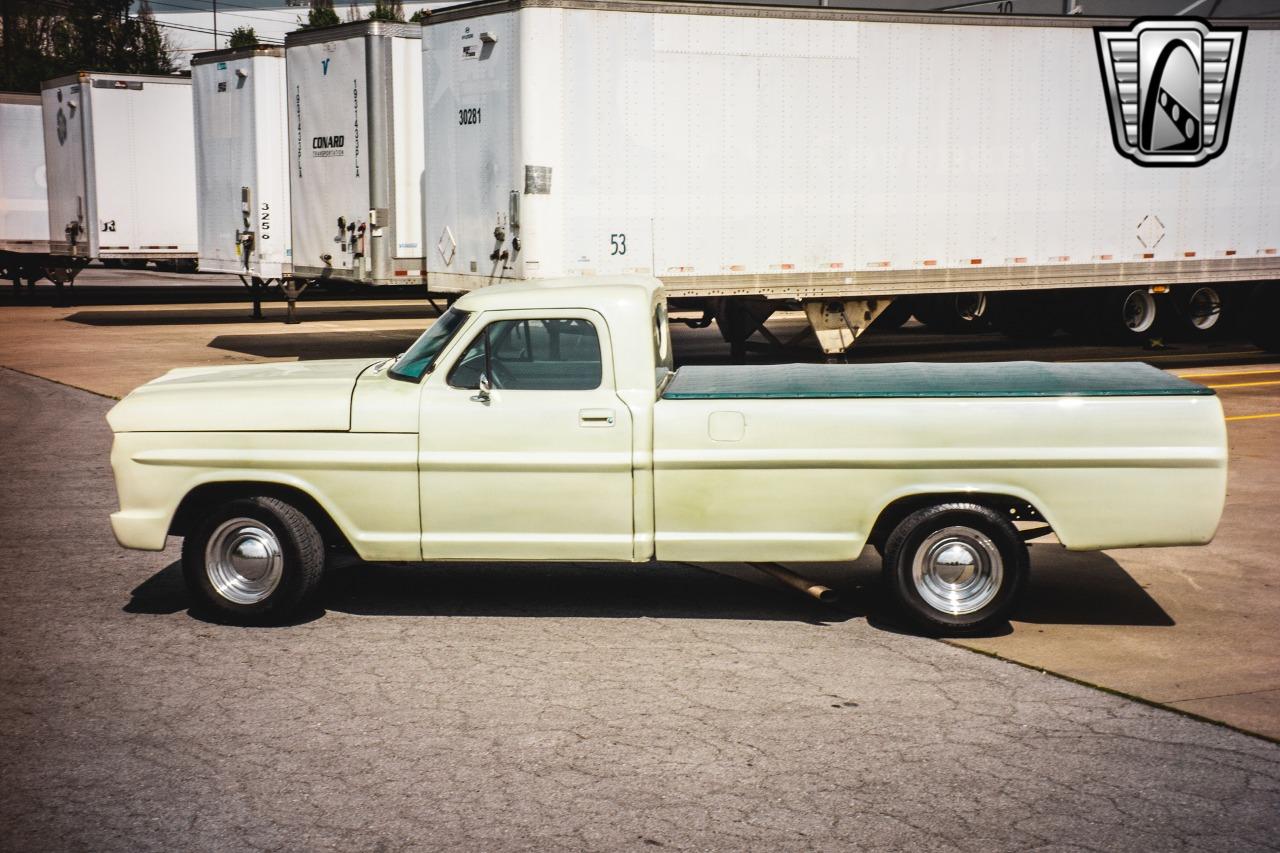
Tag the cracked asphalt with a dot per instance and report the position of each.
(501, 707)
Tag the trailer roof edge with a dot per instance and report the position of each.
(735, 10)
(353, 29)
(81, 76)
(225, 53)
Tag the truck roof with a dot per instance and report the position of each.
(600, 293)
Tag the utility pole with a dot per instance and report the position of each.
(215, 24)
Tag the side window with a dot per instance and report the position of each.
(532, 355)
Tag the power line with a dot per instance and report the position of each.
(169, 3)
(66, 6)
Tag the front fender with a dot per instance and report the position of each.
(366, 482)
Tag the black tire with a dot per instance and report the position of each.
(1128, 315)
(297, 563)
(981, 534)
(1199, 312)
(1261, 317)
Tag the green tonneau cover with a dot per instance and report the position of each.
(918, 379)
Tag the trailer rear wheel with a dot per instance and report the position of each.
(1197, 313)
(955, 568)
(1127, 314)
(1262, 315)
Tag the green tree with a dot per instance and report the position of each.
(242, 37)
(321, 15)
(88, 35)
(419, 16)
(387, 10)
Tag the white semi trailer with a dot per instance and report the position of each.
(24, 206)
(242, 165)
(356, 153)
(758, 156)
(120, 154)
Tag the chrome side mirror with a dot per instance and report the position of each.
(485, 387)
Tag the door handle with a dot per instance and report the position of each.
(595, 417)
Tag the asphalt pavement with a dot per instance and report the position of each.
(519, 707)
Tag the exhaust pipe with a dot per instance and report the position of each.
(825, 594)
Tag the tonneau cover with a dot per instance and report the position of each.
(920, 379)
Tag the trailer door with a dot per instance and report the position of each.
(468, 74)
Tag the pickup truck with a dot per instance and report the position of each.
(546, 422)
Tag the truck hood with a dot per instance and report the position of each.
(282, 397)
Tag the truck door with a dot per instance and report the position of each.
(525, 447)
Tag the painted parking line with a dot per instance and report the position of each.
(1245, 384)
(1226, 373)
(1160, 356)
(1253, 417)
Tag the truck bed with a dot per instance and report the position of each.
(921, 379)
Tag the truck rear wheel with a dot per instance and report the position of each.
(254, 561)
(955, 568)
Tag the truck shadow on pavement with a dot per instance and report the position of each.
(1065, 588)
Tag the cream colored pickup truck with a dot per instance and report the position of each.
(546, 423)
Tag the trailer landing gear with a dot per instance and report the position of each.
(838, 323)
(292, 288)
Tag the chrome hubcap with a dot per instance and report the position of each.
(1139, 311)
(1204, 308)
(957, 570)
(244, 561)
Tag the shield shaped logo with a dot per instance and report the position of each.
(1170, 85)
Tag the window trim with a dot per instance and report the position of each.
(488, 319)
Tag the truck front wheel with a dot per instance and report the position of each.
(254, 561)
(955, 568)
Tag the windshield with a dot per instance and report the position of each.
(420, 357)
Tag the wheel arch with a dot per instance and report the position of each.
(206, 495)
(1009, 503)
